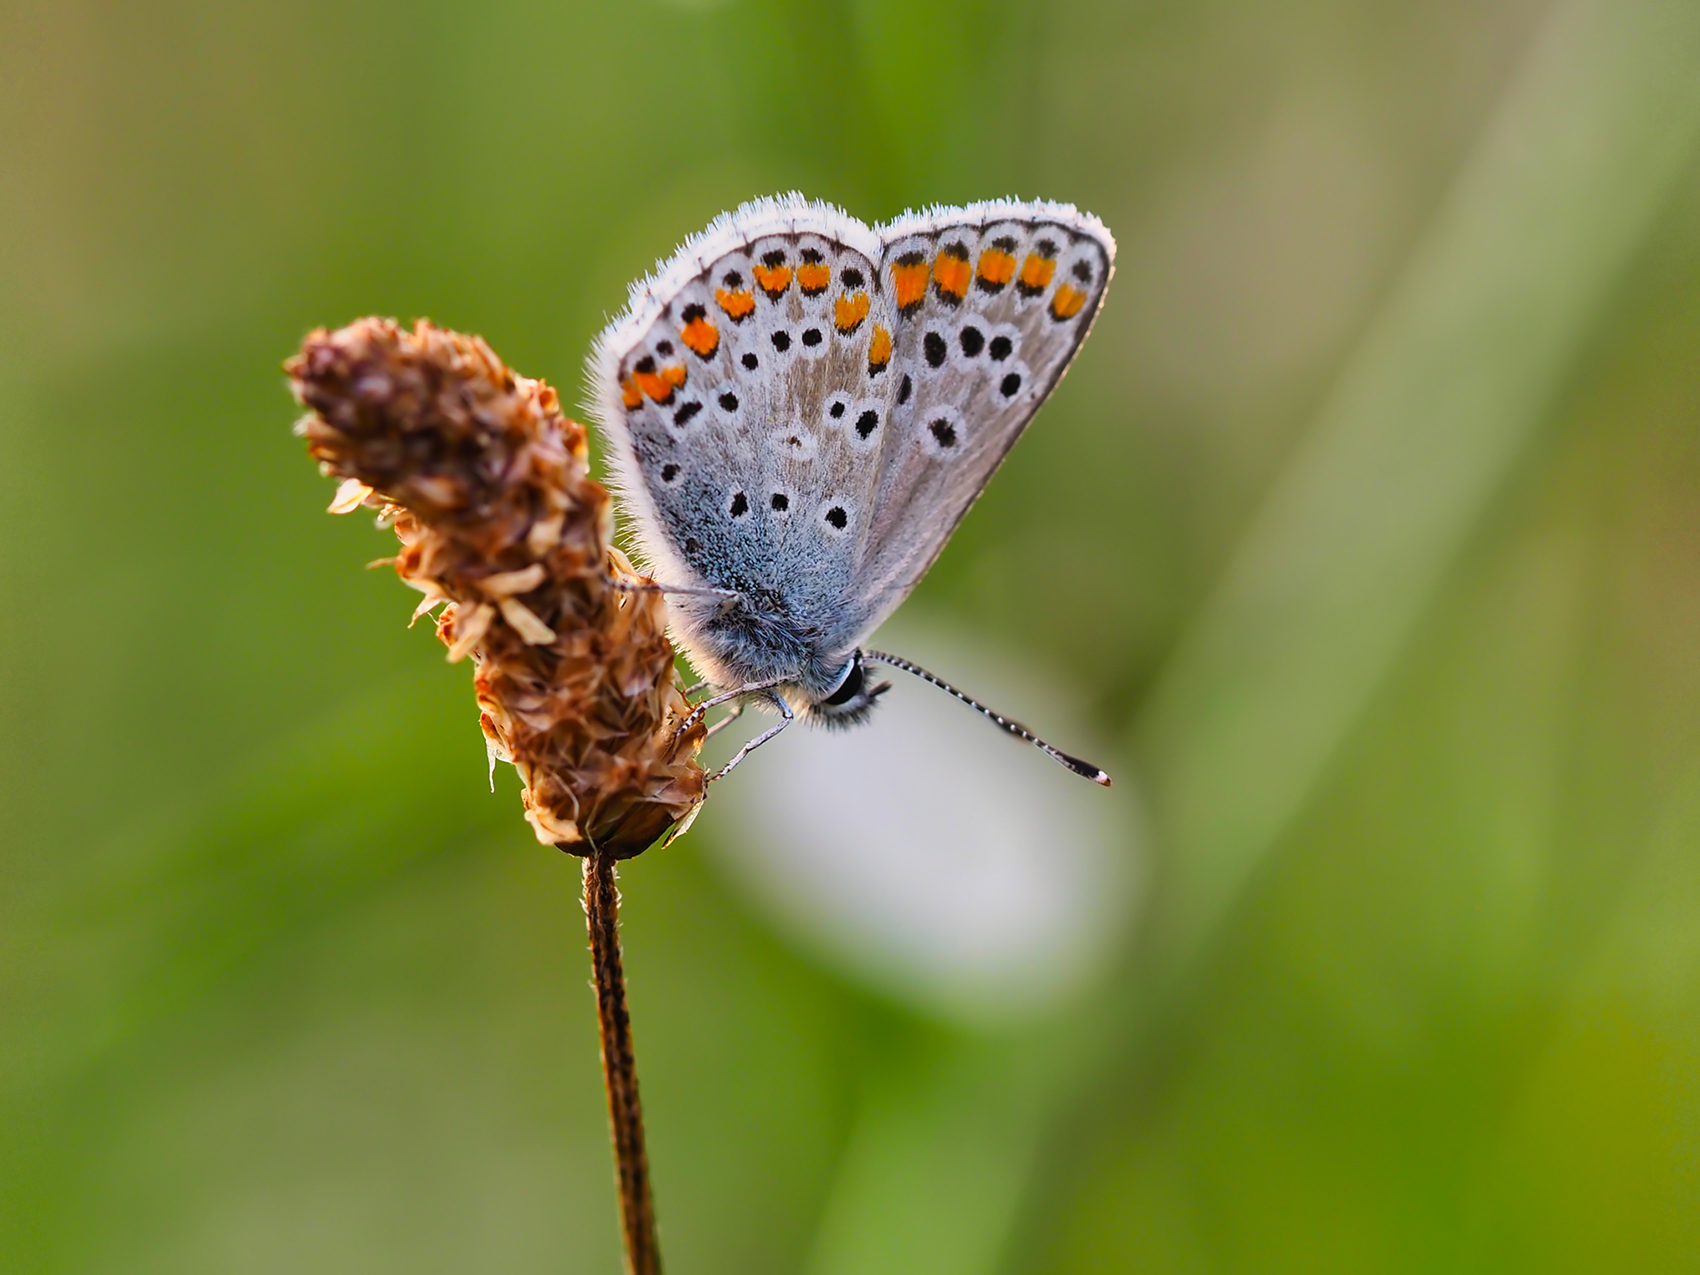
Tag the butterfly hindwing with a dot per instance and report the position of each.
(728, 395)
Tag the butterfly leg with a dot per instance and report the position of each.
(759, 740)
(714, 701)
(727, 596)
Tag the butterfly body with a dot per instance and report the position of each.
(801, 408)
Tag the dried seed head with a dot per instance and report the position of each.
(486, 483)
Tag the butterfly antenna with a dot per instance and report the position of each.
(1085, 769)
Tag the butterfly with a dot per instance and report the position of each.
(800, 408)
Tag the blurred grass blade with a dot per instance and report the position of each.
(1648, 951)
(1451, 384)
(936, 1167)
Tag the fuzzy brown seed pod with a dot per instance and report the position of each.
(487, 486)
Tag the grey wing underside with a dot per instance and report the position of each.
(803, 442)
(1005, 346)
(744, 412)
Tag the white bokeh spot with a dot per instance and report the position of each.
(931, 856)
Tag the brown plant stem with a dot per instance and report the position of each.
(619, 1067)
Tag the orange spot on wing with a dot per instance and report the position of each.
(813, 279)
(1066, 304)
(652, 384)
(909, 282)
(879, 350)
(659, 385)
(630, 394)
(1036, 274)
(997, 268)
(951, 273)
(701, 336)
(773, 280)
(736, 304)
(849, 311)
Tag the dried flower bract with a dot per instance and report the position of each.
(486, 483)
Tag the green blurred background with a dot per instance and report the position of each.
(1366, 532)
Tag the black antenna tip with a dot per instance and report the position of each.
(1085, 769)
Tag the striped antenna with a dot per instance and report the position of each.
(1085, 769)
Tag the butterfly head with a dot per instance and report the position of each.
(851, 699)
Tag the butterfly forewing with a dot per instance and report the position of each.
(991, 305)
(802, 409)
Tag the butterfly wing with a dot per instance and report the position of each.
(802, 409)
(991, 304)
(735, 395)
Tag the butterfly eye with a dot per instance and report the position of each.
(850, 687)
